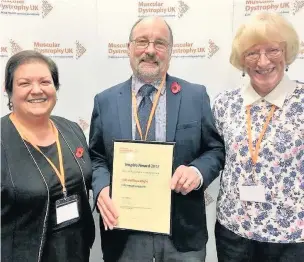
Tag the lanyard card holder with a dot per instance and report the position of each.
(253, 193)
(68, 210)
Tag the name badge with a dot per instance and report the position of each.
(67, 210)
(253, 193)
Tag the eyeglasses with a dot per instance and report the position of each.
(143, 43)
(271, 54)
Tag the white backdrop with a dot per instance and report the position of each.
(87, 39)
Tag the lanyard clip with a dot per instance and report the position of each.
(64, 191)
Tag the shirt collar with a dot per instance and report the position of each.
(137, 84)
(276, 97)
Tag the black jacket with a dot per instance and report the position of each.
(25, 197)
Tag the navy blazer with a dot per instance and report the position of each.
(190, 124)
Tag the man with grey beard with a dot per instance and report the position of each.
(183, 116)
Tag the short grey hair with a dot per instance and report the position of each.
(141, 19)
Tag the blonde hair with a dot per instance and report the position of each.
(263, 28)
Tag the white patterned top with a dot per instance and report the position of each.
(279, 168)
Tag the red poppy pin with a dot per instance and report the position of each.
(175, 87)
(79, 152)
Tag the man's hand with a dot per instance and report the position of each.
(107, 209)
(184, 180)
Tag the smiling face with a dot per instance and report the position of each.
(150, 64)
(265, 64)
(34, 93)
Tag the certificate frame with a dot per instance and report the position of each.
(113, 185)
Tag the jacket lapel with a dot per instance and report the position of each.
(173, 103)
(69, 136)
(124, 105)
(66, 134)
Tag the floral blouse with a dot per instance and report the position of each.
(279, 167)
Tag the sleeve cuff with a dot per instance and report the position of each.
(200, 176)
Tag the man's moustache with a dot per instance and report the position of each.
(149, 60)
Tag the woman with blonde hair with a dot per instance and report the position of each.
(260, 209)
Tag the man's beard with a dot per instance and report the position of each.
(150, 74)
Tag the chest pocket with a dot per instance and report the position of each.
(187, 125)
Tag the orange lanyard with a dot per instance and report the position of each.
(60, 174)
(255, 152)
(156, 98)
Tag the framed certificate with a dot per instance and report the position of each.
(140, 186)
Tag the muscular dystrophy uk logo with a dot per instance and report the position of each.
(190, 49)
(53, 49)
(56, 49)
(162, 8)
(25, 8)
(283, 7)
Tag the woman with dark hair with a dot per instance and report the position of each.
(45, 170)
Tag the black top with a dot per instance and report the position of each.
(63, 243)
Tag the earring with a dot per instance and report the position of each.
(10, 105)
(243, 74)
(286, 69)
